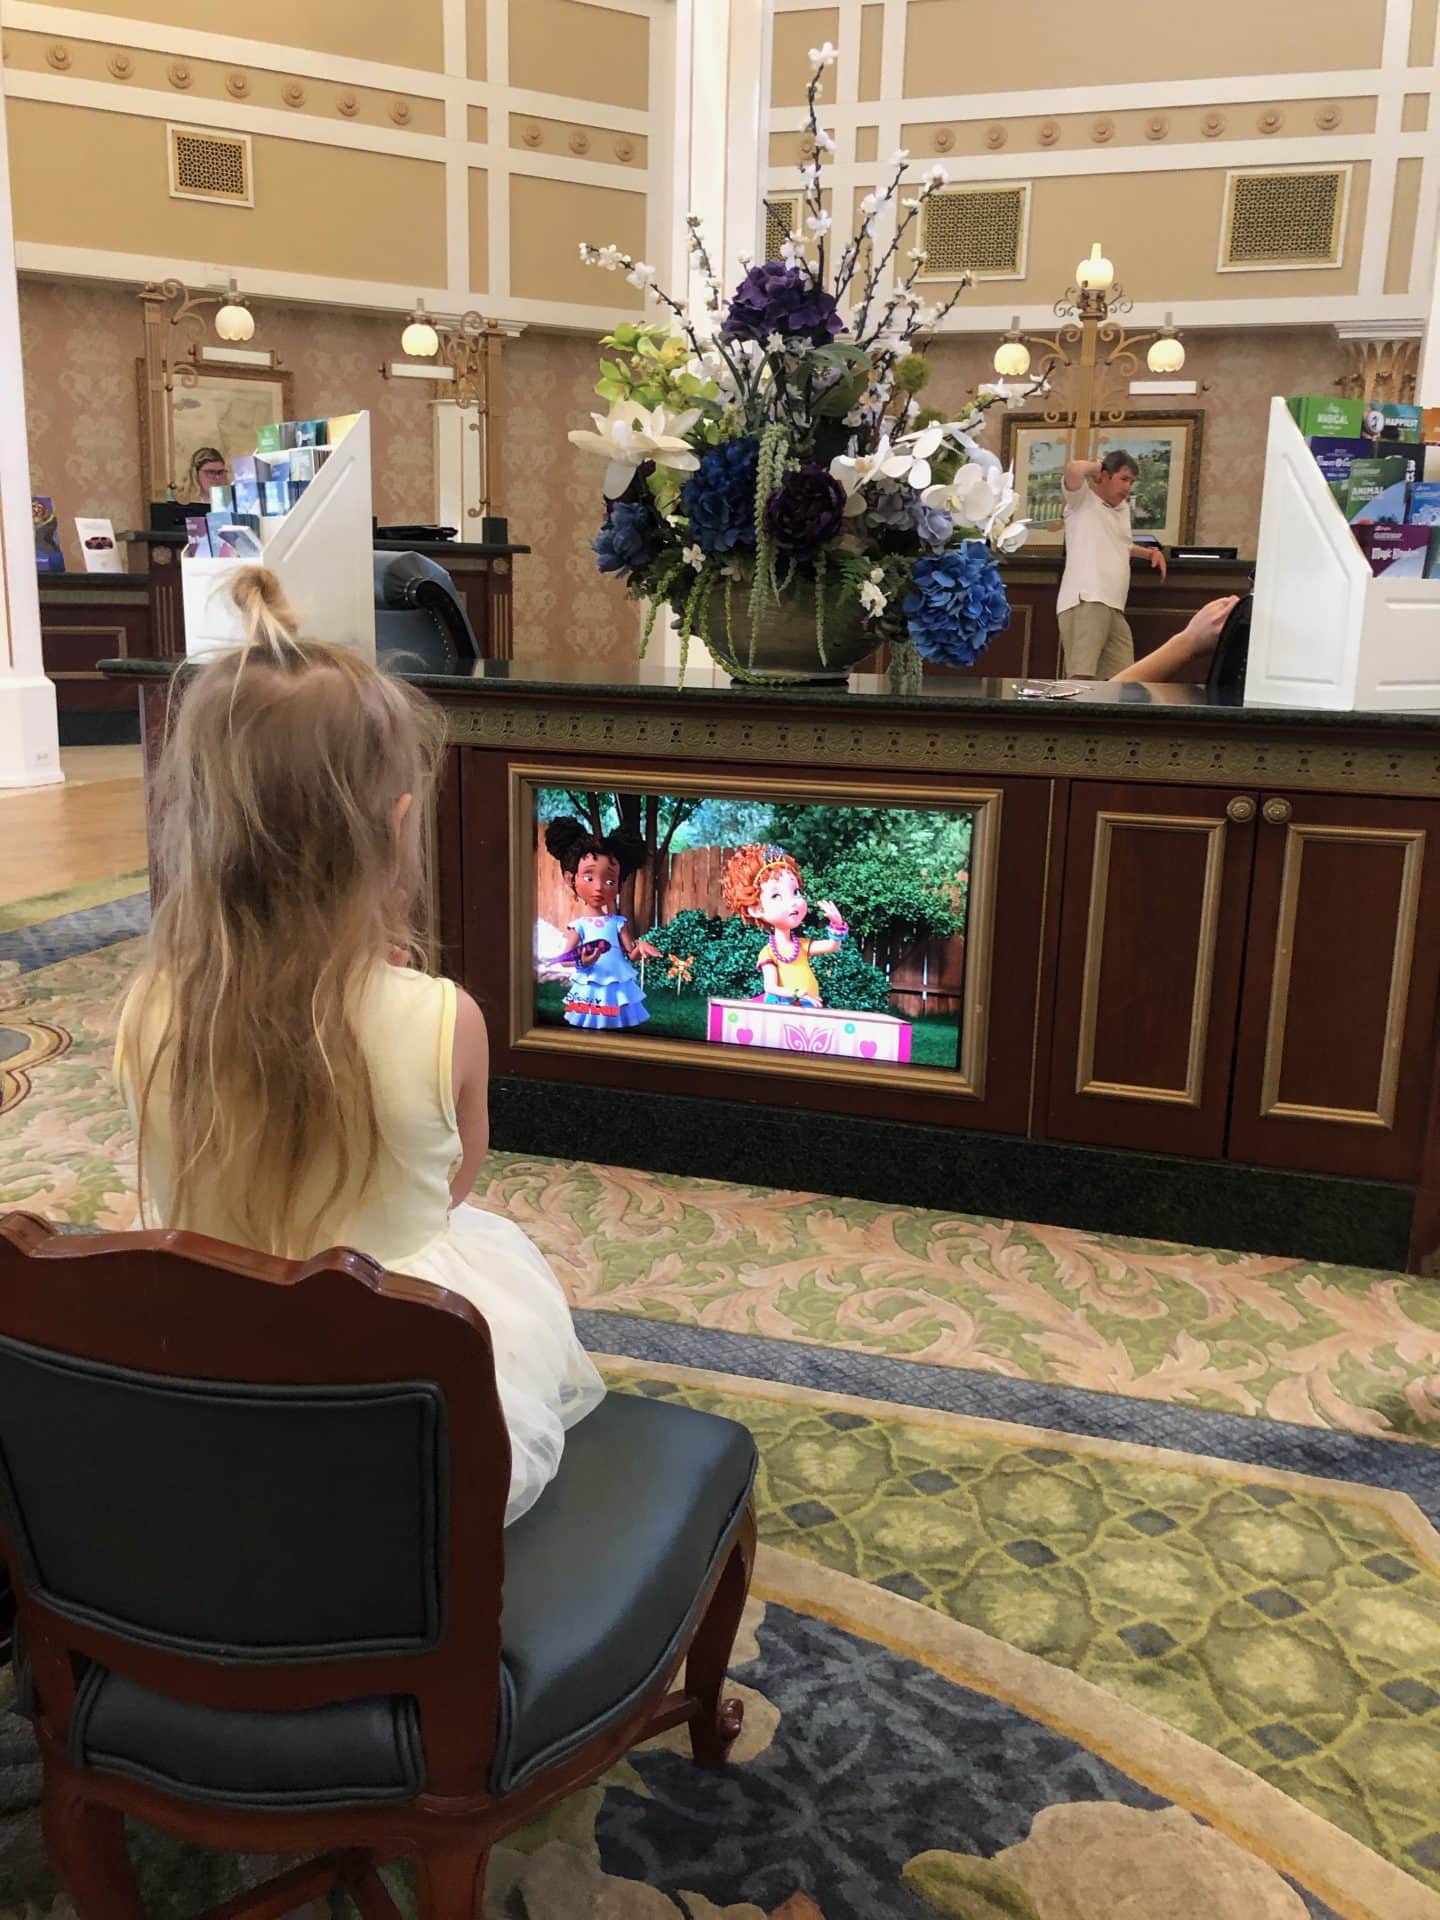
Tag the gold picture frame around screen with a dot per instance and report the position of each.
(219, 407)
(1166, 496)
(965, 1080)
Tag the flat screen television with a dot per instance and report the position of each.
(748, 922)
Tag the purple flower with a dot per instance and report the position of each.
(806, 510)
(956, 602)
(890, 504)
(719, 497)
(629, 537)
(776, 298)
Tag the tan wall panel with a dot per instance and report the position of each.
(86, 179)
(1176, 126)
(1415, 115)
(80, 343)
(1162, 230)
(580, 52)
(949, 42)
(872, 31)
(795, 34)
(298, 93)
(475, 37)
(1401, 257)
(608, 144)
(479, 124)
(479, 229)
(789, 150)
(1422, 32)
(867, 143)
(408, 35)
(549, 219)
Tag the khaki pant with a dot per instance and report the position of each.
(1095, 641)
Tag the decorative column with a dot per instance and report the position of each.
(29, 741)
(1381, 363)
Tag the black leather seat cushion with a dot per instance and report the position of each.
(601, 1580)
(603, 1573)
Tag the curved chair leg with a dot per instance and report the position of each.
(452, 1882)
(86, 1847)
(716, 1725)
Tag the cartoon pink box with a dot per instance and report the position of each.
(837, 1031)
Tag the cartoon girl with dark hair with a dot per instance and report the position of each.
(605, 992)
(766, 886)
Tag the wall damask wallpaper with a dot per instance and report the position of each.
(1238, 372)
(80, 345)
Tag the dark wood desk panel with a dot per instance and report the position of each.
(86, 618)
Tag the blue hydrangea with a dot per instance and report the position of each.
(629, 537)
(956, 602)
(891, 504)
(719, 497)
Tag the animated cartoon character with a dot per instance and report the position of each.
(605, 992)
(765, 885)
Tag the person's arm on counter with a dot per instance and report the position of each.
(1185, 656)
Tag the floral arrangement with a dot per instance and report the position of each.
(774, 446)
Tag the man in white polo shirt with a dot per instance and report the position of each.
(1095, 638)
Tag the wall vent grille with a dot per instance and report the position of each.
(782, 216)
(1284, 217)
(211, 166)
(981, 231)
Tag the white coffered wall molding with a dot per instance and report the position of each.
(1388, 84)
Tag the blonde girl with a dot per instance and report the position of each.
(297, 1080)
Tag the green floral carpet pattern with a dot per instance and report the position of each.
(1294, 1626)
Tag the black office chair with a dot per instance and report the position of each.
(420, 621)
(1225, 682)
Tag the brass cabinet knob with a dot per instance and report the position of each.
(1277, 812)
(1240, 809)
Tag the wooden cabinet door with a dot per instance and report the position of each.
(1152, 932)
(1338, 1011)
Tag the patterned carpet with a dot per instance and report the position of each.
(1099, 1576)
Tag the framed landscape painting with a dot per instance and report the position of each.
(1163, 503)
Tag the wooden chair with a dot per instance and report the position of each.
(253, 1514)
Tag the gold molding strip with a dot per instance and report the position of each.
(1397, 1000)
(117, 634)
(949, 743)
(1192, 1092)
(966, 1080)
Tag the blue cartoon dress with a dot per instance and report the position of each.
(605, 991)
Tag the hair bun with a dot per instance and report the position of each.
(271, 623)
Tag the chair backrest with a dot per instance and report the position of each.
(239, 1480)
(421, 625)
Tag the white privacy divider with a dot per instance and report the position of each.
(1326, 632)
(322, 551)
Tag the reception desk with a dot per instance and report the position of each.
(1196, 993)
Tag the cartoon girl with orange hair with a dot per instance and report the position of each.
(765, 885)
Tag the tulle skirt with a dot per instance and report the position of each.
(547, 1381)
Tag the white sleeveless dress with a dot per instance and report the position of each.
(404, 1219)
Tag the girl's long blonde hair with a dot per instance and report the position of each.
(285, 878)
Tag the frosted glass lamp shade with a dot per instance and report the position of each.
(1095, 275)
(235, 322)
(1012, 359)
(1167, 354)
(420, 340)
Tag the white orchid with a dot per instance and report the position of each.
(982, 493)
(1010, 539)
(855, 470)
(872, 599)
(913, 453)
(630, 434)
(641, 275)
(823, 56)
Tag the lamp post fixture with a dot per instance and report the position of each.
(174, 314)
(466, 371)
(1086, 365)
